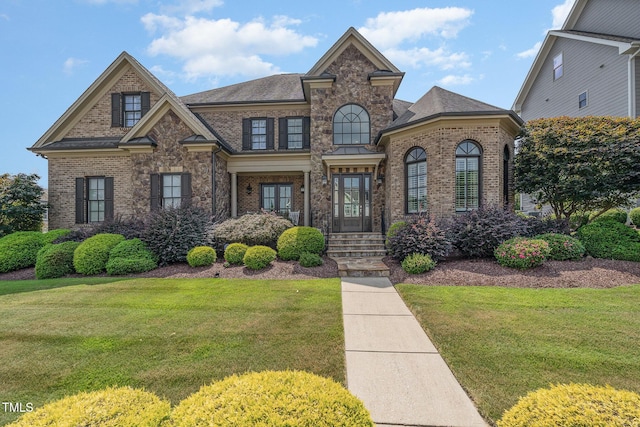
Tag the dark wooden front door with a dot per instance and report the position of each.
(352, 202)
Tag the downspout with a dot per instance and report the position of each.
(632, 82)
(213, 182)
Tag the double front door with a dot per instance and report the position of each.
(351, 202)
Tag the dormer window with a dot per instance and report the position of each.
(128, 108)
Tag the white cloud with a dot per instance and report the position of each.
(223, 46)
(530, 53)
(399, 35)
(189, 7)
(390, 29)
(560, 13)
(4, 16)
(71, 64)
(452, 80)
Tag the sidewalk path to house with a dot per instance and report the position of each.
(393, 367)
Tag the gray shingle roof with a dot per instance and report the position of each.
(439, 101)
(82, 144)
(602, 36)
(281, 87)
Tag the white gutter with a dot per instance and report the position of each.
(631, 96)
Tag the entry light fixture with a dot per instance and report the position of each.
(249, 189)
(302, 188)
(324, 179)
(380, 179)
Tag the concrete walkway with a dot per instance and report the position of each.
(393, 366)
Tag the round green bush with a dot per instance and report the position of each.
(201, 256)
(615, 214)
(574, 405)
(130, 257)
(522, 253)
(392, 231)
(55, 260)
(610, 240)
(20, 250)
(634, 216)
(310, 260)
(562, 247)
(52, 235)
(296, 240)
(113, 407)
(258, 257)
(272, 399)
(418, 263)
(133, 248)
(234, 253)
(92, 255)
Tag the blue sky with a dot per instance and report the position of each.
(53, 50)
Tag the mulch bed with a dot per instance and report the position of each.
(587, 273)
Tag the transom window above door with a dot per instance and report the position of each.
(351, 125)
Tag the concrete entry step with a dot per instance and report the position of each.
(356, 245)
(361, 267)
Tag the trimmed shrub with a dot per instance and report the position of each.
(272, 399)
(418, 264)
(92, 255)
(20, 250)
(129, 229)
(201, 256)
(392, 231)
(55, 260)
(574, 405)
(252, 229)
(615, 214)
(634, 216)
(534, 226)
(294, 241)
(171, 233)
(234, 253)
(53, 235)
(610, 240)
(130, 257)
(478, 233)
(562, 247)
(258, 257)
(522, 253)
(422, 235)
(113, 407)
(308, 259)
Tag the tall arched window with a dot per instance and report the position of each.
(468, 169)
(416, 173)
(506, 170)
(351, 125)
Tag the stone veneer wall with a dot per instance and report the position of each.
(223, 190)
(351, 86)
(440, 143)
(97, 122)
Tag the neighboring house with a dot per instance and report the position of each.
(332, 146)
(590, 67)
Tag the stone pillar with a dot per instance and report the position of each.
(234, 195)
(307, 199)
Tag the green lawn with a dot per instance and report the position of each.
(502, 343)
(169, 336)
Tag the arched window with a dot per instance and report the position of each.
(416, 173)
(506, 169)
(351, 125)
(468, 168)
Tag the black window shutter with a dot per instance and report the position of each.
(270, 132)
(246, 134)
(108, 199)
(306, 132)
(185, 190)
(145, 102)
(116, 114)
(283, 133)
(80, 201)
(155, 191)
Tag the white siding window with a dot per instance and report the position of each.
(558, 69)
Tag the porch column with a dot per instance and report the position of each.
(234, 195)
(307, 200)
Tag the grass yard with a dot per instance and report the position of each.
(169, 336)
(502, 343)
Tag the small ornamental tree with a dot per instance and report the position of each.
(21, 207)
(579, 164)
